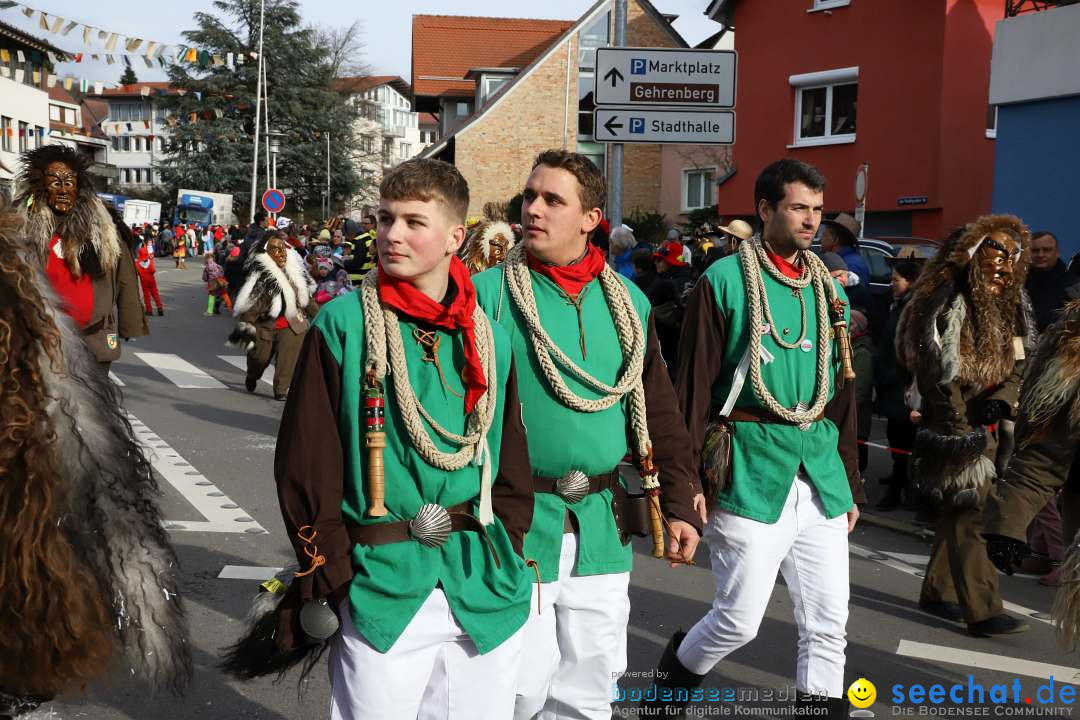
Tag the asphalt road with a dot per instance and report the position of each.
(214, 445)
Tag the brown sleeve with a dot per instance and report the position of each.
(512, 491)
(701, 354)
(671, 443)
(1037, 470)
(309, 469)
(131, 321)
(841, 410)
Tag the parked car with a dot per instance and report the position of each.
(874, 251)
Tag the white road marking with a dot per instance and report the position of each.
(179, 371)
(116, 381)
(882, 558)
(988, 661)
(240, 361)
(222, 514)
(247, 572)
(915, 561)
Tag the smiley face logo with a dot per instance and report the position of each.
(862, 693)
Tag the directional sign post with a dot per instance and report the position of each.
(273, 201)
(663, 77)
(674, 126)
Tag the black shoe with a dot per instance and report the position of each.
(999, 625)
(249, 383)
(944, 610)
(161, 311)
(816, 706)
(279, 396)
(671, 679)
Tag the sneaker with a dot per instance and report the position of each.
(161, 311)
(207, 314)
(999, 625)
(279, 396)
(944, 610)
(249, 383)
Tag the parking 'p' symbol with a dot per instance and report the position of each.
(637, 66)
(637, 125)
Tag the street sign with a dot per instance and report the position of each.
(273, 200)
(675, 127)
(657, 76)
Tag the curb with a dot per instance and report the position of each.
(905, 528)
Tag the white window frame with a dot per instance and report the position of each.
(820, 5)
(54, 113)
(815, 81)
(686, 182)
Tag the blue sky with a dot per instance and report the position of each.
(387, 25)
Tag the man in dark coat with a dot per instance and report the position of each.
(1048, 278)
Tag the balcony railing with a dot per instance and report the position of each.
(1019, 7)
(397, 131)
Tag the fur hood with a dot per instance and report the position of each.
(937, 337)
(88, 574)
(1052, 382)
(88, 236)
(272, 287)
(479, 248)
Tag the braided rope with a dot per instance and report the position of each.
(631, 336)
(752, 258)
(386, 350)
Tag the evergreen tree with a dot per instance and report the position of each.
(128, 78)
(212, 120)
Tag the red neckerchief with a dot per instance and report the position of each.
(405, 298)
(791, 270)
(76, 293)
(571, 278)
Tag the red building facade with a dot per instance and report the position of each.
(902, 85)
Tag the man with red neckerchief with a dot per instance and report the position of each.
(421, 561)
(772, 423)
(594, 389)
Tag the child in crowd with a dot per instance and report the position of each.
(217, 288)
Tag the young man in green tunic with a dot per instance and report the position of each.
(419, 543)
(593, 389)
(761, 386)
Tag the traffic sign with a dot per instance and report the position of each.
(273, 200)
(658, 76)
(677, 126)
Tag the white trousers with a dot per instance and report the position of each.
(576, 645)
(432, 672)
(812, 553)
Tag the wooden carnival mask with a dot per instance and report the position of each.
(997, 255)
(61, 187)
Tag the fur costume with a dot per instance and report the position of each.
(954, 335)
(489, 241)
(267, 290)
(87, 575)
(88, 234)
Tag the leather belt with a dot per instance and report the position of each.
(759, 415)
(401, 530)
(575, 485)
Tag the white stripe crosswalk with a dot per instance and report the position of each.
(179, 371)
(240, 361)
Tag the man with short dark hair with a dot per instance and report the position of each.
(594, 388)
(771, 415)
(1048, 278)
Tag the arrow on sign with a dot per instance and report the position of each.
(613, 74)
(611, 126)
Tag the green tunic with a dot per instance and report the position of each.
(562, 439)
(391, 581)
(767, 456)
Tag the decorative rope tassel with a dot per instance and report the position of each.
(650, 483)
(483, 459)
(843, 342)
(375, 441)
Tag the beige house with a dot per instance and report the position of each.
(549, 104)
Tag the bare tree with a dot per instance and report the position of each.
(346, 48)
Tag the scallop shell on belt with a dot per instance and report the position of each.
(573, 486)
(431, 526)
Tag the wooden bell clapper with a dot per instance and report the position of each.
(375, 442)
